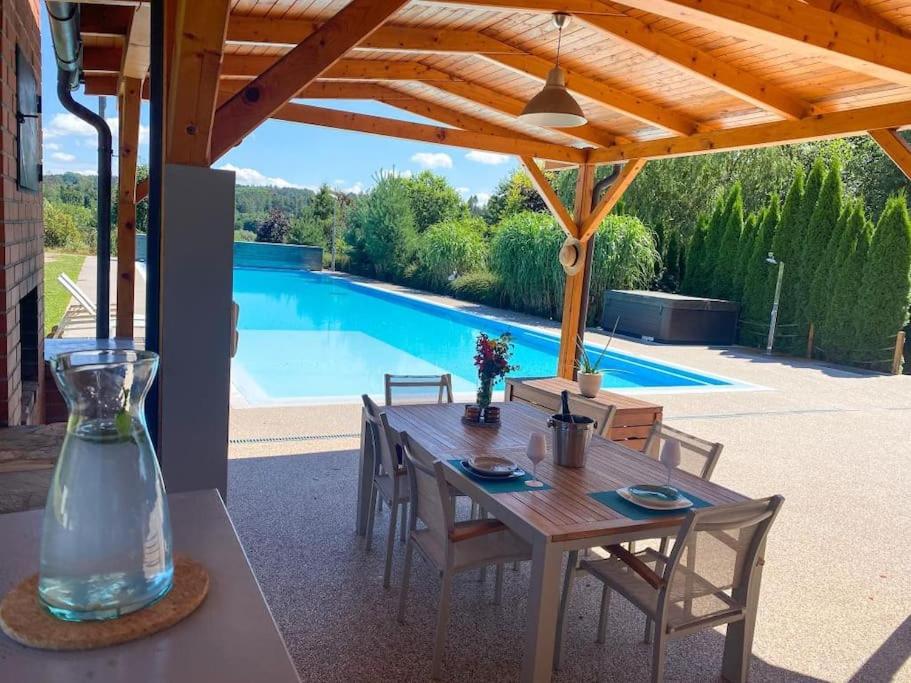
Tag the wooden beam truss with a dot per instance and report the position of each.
(128, 141)
(551, 200)
(606, 204)
(895, 147)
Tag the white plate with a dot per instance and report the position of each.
(681, 504)
(492, 465)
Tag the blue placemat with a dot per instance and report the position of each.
(617, 503)
(516, 485)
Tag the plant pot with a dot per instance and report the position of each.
(589, 383)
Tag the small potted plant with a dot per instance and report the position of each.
(492, 361)
(589, 374)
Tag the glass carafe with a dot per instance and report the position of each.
(106, 542)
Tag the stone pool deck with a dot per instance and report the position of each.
(836, 597)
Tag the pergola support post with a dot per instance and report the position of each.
(129, 101)
(573, 289)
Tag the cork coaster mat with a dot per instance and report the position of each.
(24, 620)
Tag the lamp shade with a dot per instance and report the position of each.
(553, 107)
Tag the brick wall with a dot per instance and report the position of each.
(21, 225)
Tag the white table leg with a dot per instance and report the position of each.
(543, 606)
(364, 479)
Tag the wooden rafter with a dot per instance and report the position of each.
(128, 141)
(608, 96)
(378, 125)
(142, 189)
(547, 193)
(821, 126)
(799, 28)
(98, 20)
(590, 226)
(538, 6)
(491, 99)
(137, 53)
(299, 67)
(895, 147)
(195, 70)
(851, 9)
(719, 73)
(247, 66)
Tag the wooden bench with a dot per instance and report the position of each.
(632, 423)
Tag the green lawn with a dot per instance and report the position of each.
(56, 297)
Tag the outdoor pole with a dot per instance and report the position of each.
(334, 224)
(774, 317)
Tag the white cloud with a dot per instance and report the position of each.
(464, 191)
(69, 125)
(489, 158)
(341, 185)
(250, 176)
(432, 159)
(63, 156)
(483, 198)
(51, 146)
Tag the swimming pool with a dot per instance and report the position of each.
(307, 337)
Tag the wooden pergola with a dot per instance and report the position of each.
(655, 78)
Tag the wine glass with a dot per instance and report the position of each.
(670, 457)
(536, 452)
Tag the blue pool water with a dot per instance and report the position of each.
(306, 336)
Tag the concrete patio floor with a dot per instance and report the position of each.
(836, 598)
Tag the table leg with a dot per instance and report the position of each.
(543, 606)
(738, 643)
(364, 478)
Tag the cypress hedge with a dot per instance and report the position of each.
(786, 248)
(818, 249)
(847, 283)
(820, 294)
(723, 279)
(800, 272)
(713, 238)
(745, 251)
(693, 277)
(882, 306)
(758, 287)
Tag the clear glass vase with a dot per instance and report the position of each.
(106, 542)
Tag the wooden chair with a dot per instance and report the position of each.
(684, 593)
(698, 456)
(451, 547)
(415, 383)
(603, 415)
(389, 480)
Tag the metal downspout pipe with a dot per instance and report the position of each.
(64, 23)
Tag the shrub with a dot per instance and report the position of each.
(882, 306)
(758, 287)
(847, 283)
(433, 200)
(820, 293)
(244, 236)
(803, 278)
(523, 254)
(786, 248)
(482, 286)
(389, 232)
(308, 230)
(693, 278)
(453, 247)
(274, 228)
(821, 232)
(713, 238)
(726, 261)
(60, 229)
(745, 251)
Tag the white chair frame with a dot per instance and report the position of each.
(442, 382)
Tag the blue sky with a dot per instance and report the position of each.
(281, 153)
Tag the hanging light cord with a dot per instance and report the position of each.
(559, 41)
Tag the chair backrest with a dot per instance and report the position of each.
(711, 566)
(77, 293)
(698, 456)
(419, 388)
(603, 415)
(517, 390)
(378, 431)
(429, 491)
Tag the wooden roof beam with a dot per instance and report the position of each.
(378, 125)
(895, 147)
(272, 31)
(593, 7)
(298, 68)
(199, 41)
(549, 195)
(613, 194)
(247, 66)
(496, 101)
(719, 73)
(798, 28)
(100, 20)
(600, 92)
(819, 127)
(850, 9)
(137, 53)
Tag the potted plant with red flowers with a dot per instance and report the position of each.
(492, 361)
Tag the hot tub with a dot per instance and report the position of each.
(670, 318)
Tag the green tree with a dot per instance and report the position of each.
(433, 200)
(723, 279)
(847, 283)
(275, 228)
(390, 236)
(820, 290)
(694, 271)
(802, 273)
(514, 194)
(821, 231)
(882, 305)
(786, 248)
(745, 251)
(757, 293)
(450, 249)
(60, 229)
(323, 206)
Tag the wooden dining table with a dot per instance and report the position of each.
(564, 517)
